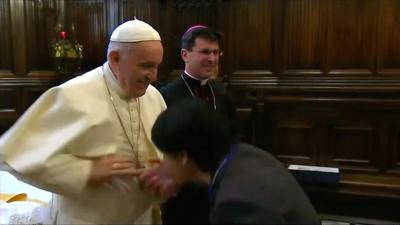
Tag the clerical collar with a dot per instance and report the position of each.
(193, 83)
(113, 82)
(202, 82)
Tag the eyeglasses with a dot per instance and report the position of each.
(207, 52)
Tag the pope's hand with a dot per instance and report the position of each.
(109, 166)
(159, 182)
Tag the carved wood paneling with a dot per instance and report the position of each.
(203, 5)
(397, 157)
(303, 44)
(9, 107)
(40, 21)
(6, 53)
(294, 143)
(262, 36)
(388, 37)
(18, 37)
(351, 36)
(343, 128)
(350, 86)
(352, 147)
(245, 123)
(251, 34)
(142, 9)
(16, 95)
(394, 155)
(8, 100)
(90, 20)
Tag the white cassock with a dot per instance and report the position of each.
(51, 144)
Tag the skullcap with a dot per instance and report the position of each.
(134, 31)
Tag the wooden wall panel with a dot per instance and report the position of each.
(351, 36)
(89, 19)
(303, 44)
(6, 53)
(389, 37)
(17, 94)
(262, 37)
(251, 34)
(353, 147)
(8, 100)
(95, 20)
(394, 156)
(245, 118)
(40, 21)
(397, 156)
(356, 132)
(18, 38)
(9, 106)
(294, 143)
(142, 9)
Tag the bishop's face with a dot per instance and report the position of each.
(202, 61)
(136, 68)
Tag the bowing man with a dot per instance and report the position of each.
(247, 185)
(87, 139)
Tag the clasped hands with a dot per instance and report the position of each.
(113, 169)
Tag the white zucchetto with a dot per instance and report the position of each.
(134, 31)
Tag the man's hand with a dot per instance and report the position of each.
(106, 167)
(158, 181)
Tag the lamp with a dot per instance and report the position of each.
(67, 52)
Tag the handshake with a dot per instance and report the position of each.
(116, 174)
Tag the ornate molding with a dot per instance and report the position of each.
(353, 84)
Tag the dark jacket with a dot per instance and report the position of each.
(255, 188)
(177, 91)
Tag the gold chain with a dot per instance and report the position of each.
(136, 146)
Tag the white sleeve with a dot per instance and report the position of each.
(37, 145)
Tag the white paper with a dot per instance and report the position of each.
(314, 168)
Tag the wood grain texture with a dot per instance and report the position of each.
(40, 21)
(6, 53)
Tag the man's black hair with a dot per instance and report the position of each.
(189, 37)
(192, 127)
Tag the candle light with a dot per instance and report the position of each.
(63, 35)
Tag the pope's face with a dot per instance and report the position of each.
(202, 61)
(138, 67)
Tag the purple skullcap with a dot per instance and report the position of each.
(194, 27)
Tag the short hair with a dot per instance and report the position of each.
(189, 37)
(121, 47)
(192, 127)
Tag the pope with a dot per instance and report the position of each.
(87, 139)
